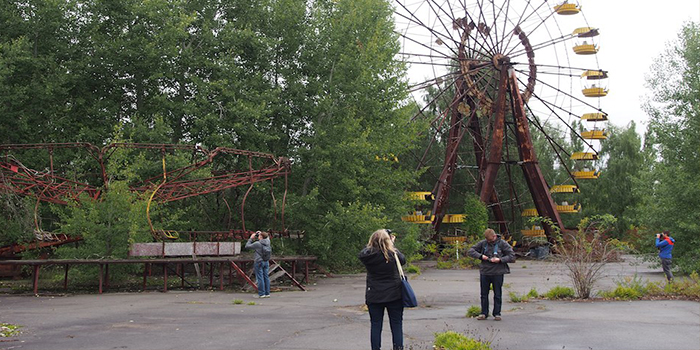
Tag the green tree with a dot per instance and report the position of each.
(107, 227)
(673, 183)
(477, 216)
(352, 159)
(615, 191)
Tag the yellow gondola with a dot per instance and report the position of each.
(585, 32)
(586, 49)
(534, 231)
(595, 92)
(567, 9)
(595, 134)
(586, 174)
(594, 74)
(419, 218)
(595, 117)
(566, 208)
(564, 189)
(420, 196)
(584, 156)
(529, 212)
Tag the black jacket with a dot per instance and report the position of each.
(383, 280)
(504, 252)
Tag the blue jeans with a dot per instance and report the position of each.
(262, 277)
(376, 317)
(486, 282)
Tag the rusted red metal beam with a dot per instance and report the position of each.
(497, 134)
(13, 249)
(539, 189)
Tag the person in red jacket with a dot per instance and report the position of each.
(665, 243)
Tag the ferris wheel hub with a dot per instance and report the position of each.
(499, 60)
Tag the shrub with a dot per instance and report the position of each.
(623, 293)
(559, 292)
(410, 268)
(444, 264)
(454, 341)
(627, 289)
(473, 311)
(586, 251)
(8, 330)
(515, 298)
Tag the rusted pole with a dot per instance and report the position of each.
(539, 189)
(497, 133)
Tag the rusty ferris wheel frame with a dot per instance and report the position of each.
(487, 74)
(48, 185)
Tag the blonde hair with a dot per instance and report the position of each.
(381, 240)
(489, 232)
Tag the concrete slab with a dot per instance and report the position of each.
(330, 316)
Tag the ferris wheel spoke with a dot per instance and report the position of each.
(515, 25)
(505, 23)
(439, 18)
(549, 106)
(564, 93)
(433, 100)
(430, 82)
(484, 29)
(553, 143)
(513, 54)
(456, 22)
(444, 55)
(435, 33)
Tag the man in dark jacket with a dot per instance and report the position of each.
(495, 254)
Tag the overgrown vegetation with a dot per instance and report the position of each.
(455, 341)
(585, 252)
(559, 292)
(632, 288)
(9, 330)
(516, 298)
(473, 311)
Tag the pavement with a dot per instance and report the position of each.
(330, 315)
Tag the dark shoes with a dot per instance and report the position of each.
(483, 317)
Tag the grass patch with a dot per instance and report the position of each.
(454, 341)
(410, 268)
(251, 303)
(444, 265)
(237, 301)
(8, 330)
(515, 298)
(473, 311)
(632, 288)
(559, 292)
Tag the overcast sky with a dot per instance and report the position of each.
(632, 35)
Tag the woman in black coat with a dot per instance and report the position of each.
(383, 287)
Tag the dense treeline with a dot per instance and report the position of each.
(314, 81)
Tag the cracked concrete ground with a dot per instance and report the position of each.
(330, 316)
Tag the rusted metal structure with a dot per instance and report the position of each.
(487, 84)
(50, 185)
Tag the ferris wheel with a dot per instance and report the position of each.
(491, 75)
